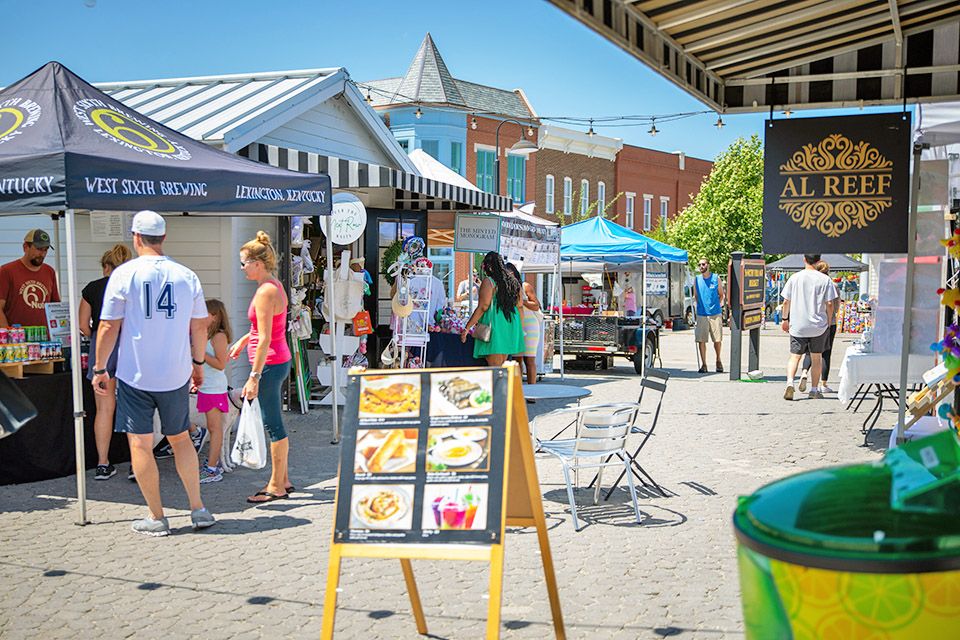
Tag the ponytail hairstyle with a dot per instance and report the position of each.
(115, 256)
(261, 249)
(508, 287)
(823, 268)
(221, 324)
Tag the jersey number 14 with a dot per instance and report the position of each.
(163, 303)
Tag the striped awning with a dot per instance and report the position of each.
(412, 191)
(758, 55)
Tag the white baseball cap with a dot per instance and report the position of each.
(149, 223)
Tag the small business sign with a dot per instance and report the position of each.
(751, 319)
(752, 279)
(348, 219)
(58, 321)
(658, 284)
(837, 184)
(476, 233)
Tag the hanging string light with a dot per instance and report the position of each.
(591, 132)
(788, 112)
(369, 98)
(530, 132)
(473, 122)
(653, 127)
(719, 124)
(418, 113)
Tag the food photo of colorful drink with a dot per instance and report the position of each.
(458, 507)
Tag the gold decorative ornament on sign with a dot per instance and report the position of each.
(836, 185)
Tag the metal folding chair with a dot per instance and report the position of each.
(656, 385)
(601, 435)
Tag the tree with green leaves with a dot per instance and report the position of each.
(726, 215)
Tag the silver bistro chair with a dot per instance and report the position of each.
(599, 441)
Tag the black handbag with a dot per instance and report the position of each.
(16, 409)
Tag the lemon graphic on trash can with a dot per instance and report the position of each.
(862, 552)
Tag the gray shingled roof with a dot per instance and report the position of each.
(428, 81)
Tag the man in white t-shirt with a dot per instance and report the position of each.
(160, 305)
(808, 298)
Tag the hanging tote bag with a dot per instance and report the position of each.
(250, 447)
(348, 292)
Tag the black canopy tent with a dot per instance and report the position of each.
(837, 262)
(65, 145)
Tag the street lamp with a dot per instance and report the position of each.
(522, 147)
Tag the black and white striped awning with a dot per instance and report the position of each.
(757, 55)
(412, 191)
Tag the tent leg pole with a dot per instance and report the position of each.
(643, 325)
(335, 364)
(908, 291)
(56, 257)
(76, 378)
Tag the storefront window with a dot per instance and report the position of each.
(431, 147)
(485, 162)
(456, 157)
(442, 259)
(516, 178)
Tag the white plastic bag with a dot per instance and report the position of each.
(250, 447)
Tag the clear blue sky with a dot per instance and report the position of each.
(564, 68)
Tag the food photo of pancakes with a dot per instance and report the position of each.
(461, 450)
(461, 393)
(381, 506)
(390, 396)
(386, 451)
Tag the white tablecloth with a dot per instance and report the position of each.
(877, 368)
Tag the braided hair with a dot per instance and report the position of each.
(508, 287)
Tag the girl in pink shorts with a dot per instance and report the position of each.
(212, 398)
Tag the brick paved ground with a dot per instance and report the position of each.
(260, 571)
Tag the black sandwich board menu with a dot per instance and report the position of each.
(422, 457)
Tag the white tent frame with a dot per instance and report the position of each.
(73, 301)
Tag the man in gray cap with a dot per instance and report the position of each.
(159, 304)
(26, 284)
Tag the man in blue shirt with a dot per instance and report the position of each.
(709, 292)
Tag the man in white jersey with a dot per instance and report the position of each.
(160, 305)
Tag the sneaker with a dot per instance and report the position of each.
(815, 394)
(201, 519)
(803, 383)
(788, 392)
(703, 369)
(163, 450)
(104, 472)
(130, 476)
(825, 389)
(209, 474)
(719, 367)
(199, 437)
(151, 527)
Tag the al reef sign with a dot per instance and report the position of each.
(836, 185)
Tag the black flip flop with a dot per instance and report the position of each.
(270, 497)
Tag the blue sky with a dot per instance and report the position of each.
(564, 68)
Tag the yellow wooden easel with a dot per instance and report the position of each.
(522, 506)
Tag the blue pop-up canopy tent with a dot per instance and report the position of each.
(608, 244)
(600, 240)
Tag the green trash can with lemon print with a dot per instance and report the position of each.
(868, 551)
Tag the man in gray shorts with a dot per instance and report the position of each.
(161, 307)
(807, 300)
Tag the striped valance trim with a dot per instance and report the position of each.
(412, 191)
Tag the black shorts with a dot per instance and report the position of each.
(816, 344)
(135, 409)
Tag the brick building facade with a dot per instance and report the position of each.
(482, 139)
(571, 165)
(653, 183)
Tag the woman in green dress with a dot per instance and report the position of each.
(497, 307)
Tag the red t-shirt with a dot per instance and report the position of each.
(24, 293)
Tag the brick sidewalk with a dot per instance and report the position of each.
(260, 572)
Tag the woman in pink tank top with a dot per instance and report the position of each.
(269, 355)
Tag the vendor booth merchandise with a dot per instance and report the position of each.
(72, 147)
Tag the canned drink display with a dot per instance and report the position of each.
(33, 351)
(4, 335)
(84, 361)
(4, 353)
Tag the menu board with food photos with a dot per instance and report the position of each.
(422, 457)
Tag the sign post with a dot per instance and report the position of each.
(434, 465)
(746, 278)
